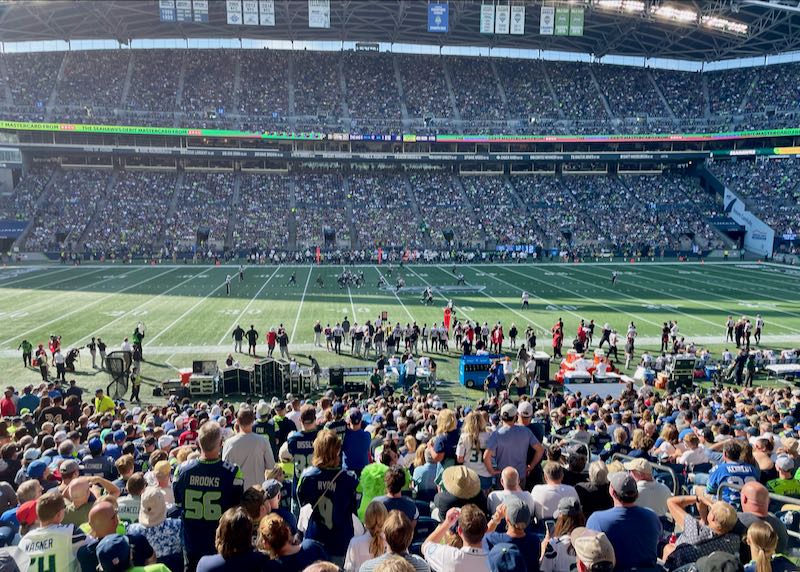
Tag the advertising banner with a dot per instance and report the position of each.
(438, 15)
(759, 238)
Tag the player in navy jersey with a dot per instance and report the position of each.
(204, 489)
(331, 492)
(301, 448)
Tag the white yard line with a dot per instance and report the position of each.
(442, 296)
(726, 311)
(527, 319)
(33, 274)
(752, 292)
(49, 300)
(140, 306)
(182, 316)
(637, 317)
(84, 306)
(532, 294)
(395, 295)
(250, 303)
(300, 307)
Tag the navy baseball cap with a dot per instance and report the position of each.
(119, 435)
(114, 553)
(505, 557)
(95, 444)
(338, 409)
(355, 416)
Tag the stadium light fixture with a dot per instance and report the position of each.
(724, 25)
(675, 13)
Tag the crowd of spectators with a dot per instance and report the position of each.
(72, 199)
(683, 91)
(261, 217)
(425, 87)
(499, 214)
(133, 214)
(381, 212)
(31, 77)
(629, 91)
(316, 81)
(727, 89)
(444, 208)
(264, 88)
(770, 189)
(94, 79)
(475, 87)
(493, 95)
(20, 204)
(204, 203)
(208, 83)
(575, 90)
(397, 479)
(371, 89)
(155, 79)
(526, 89)
(320, 199)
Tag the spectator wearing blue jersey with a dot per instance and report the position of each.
(204, 489)
(730, 471)
(355, 448)
(634, 531)
(331, 492)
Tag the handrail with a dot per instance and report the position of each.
(659, 466)
(772, 496)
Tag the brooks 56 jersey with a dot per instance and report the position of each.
(203, 491)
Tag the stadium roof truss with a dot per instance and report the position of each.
(773, 26)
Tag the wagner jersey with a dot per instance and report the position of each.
(301, 448)
(338, 426)
(203, 491)
(53, 548)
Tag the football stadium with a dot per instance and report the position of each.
(400, 285)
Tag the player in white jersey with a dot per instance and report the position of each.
(228, 285)
(54, 546)
(525, 297)
(759, 327)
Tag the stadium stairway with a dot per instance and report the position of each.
(351, 223)
(55, 176)
(291, 220)
(450, 91)
(290, 73)
(98, 208)
(498, 84)
(179, 92)
(9, 97)
(173, 205)
(235, 199)
(412, 201)
(126, 88)
(660, 93)
(51, 101)
(398, 80)
(600, 94)
(553, 94)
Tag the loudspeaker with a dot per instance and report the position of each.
(237, 380)
(336, 376)
(264, 377)
(330, 237)
(282, 377)
(448, 234)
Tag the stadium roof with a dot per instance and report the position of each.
(773, 27)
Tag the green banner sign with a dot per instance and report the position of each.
(166, 131)
(562, 21)
(576, 21)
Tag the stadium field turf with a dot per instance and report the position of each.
(188, 315)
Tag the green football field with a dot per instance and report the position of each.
(188, 315)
